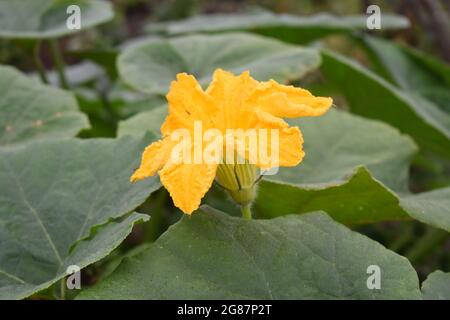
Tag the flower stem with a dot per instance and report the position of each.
(246, 212)
(59, 62)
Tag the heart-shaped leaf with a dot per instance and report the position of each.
(214, 256)
(39, 19)
(51, 196)
(31, 111)
(151, 66)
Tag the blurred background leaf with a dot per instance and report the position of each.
(150, 67)
(30, 111)
(38, 19)
(286, 27)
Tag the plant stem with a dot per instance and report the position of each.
(246, 212)
(59, 62)
(38, 62)
(63, 289)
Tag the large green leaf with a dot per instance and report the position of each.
(214, 256)
(42, 274)
(52, 194)
(437, 286)
(287, 27)
(30, 110)
(38, 19)
(151, 66)
(373, 97)
(413, 70)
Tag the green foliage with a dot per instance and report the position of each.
(340, 142)
(287, 27)
(276, 261)
(360, 199)
(373, 97)
(53, 194)
(66, 197)
(151, 66)
(414, 71)
(41, 19)
(437, 286)
(31, 111)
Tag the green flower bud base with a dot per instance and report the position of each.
(239, 180)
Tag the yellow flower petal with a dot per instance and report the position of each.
(231, 93)
(291, 147)
(187, 103)
(265, 120)
(287, 148)
(187, 183)
(290, 102)
(154, 158)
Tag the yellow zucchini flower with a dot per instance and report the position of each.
(230, 104)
